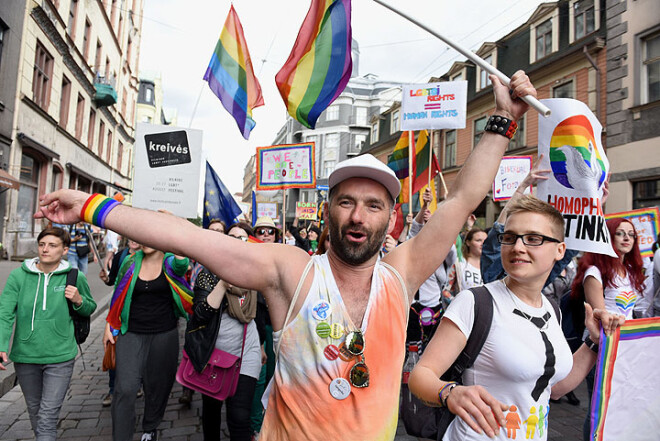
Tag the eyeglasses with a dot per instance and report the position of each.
(243, 238)
(261, 231)
(621, 233)
(531, 240)
(354, 344)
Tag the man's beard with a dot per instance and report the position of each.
(351, 252)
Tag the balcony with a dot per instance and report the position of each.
(105, 95)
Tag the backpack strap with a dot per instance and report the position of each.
(556, 308)
(72, 277)
(483, 318)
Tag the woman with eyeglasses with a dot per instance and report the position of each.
(224, 318)
(505, 393)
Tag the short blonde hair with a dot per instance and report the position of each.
(531, 204)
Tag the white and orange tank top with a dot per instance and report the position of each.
(301, 405)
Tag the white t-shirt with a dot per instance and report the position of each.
(620, 298)
(470, 275)
(511, 363)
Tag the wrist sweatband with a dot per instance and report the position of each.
(502, 126)
(96, 209)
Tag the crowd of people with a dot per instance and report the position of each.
(321, 325)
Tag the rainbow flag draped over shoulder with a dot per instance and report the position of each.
(320, 63)
(231, 77)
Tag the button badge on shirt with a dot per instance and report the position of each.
(337, 331)
(321, 310)
(340, 388)
(323, 330)
(331, 352)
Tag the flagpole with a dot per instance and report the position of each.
(192, 117)
(536, 104)
(283, 213)
(411, 148)
(444, 185)
(431, 158)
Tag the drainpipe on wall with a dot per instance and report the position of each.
(593, 64)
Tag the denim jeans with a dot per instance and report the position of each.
(44, 387)
(78, 262)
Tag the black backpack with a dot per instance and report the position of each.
(80, 322)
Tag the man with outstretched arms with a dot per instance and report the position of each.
(341, 343)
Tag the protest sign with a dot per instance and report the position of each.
(570, 141)
(267, 209)
(646, 222)
(512, 171)
(168, 163)
(626, 396)
(286, 166)
(306, 210)
(434, 105)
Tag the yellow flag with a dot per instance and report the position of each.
(434, 200)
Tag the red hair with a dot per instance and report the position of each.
(610, 266)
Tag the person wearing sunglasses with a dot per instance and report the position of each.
(339, 319)
(266, 231)
(525, 357)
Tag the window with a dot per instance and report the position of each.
(27, 193)
(123, 103)
(359, 142)
(120, 154)
(396, 122)
(3, 31)
(584, 18)
(449, 158)
(56, 182)
(113, 12)
(518, 139)
(149, 95)
(43, 69)
(479, 126)
(90, 129)
(65, 97)
(651, 68)
(361, 116)
(108, 146)
(544, 39)
(332, 113)
(86, 39)
(73, 11)
(101, 137)
(129, 51)
(457, 77)
(98, 57)
(646, 193)
(330, 153)
(80, 108)
(374, 131)
(107, 68)
(121, 26)
(564, 90)
(484, 81)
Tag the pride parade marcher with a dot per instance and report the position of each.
(525, 357)
(339, 318)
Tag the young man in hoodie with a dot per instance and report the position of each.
(44, 347)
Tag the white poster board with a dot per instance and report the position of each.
(168, 163)
(267, 209)
(512, 171)
(434, 105)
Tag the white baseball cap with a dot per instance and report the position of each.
(366, 166)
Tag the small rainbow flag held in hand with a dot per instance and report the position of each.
(320, 63)
(230, 75)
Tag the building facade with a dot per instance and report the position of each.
(149, 107)
(69, 89)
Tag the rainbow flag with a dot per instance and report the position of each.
(398, 162)
(421, 162)
(230, 75)
(320, 63)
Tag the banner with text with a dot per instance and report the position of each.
(286, 166)
(168, 165)
(306, 210)
(267, 209)
(626, 397)
(570, 141)
(512, 171)
(647, 223)
(434, 105)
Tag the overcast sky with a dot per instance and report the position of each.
(178, 38)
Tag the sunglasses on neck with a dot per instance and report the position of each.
(354, 344)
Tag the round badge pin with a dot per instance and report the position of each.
(331, 352)
(340, 388)
(321, 310)
(337, 331)
(344, 354)
(323, 330)
(426, 316)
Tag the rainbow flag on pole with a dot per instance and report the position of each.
(230, 75)
(320, 63)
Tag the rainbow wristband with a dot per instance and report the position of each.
(451, 385)
(96, 209)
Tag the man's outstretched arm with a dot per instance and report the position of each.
(417, 258)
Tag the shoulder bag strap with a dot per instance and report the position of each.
(244, 335)
(293, 304)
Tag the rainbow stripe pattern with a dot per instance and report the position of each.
(575, 131)
(647, 224)
(96, 209)
(231, 77)
(320, 63)
(631, 330)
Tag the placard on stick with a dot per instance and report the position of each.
(647, 224)
(306, 210)
(510, 174)
(286, 166)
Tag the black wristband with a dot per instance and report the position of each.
(501, 125)
(591, 345)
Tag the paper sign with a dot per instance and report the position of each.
(168, 164)
(434, 105)
(267, 209)
(306, 210)
(286, 166)
(570, 141)
(512, 171)
(646, 222)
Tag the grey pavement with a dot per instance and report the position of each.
(83, 418)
